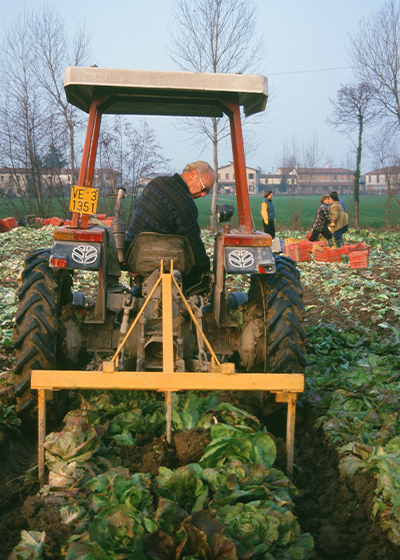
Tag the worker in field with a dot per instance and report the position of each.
(167, 206)
(339, 221)
(322, 221)
(268, 214)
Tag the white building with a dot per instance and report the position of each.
(226, 179)
(382, 180)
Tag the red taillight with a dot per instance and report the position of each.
(58, 263)
(262, 270)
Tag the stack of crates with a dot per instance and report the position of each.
(301, 249)
(358, 255)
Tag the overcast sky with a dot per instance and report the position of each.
(306, 64)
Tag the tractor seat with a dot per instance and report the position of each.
(147, 250)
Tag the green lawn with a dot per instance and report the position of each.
(372, 210)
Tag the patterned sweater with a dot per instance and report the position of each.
(322, 219)
(166, 206)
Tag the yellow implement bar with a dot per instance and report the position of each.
(286, 386)
(167, 381)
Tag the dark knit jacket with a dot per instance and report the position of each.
(166, 206)
(322, 219)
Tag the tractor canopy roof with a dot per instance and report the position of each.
(148, 92)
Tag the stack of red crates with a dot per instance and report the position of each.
(358, 254)
(347, 248)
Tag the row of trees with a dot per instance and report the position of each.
(35, 118)
(216, 36)
(41, 133)
(373, 99)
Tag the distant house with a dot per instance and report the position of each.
(226, 179)
(382, 180)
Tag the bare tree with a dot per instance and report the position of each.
(376, 58)
(34, 114)
(215, 36)
(53, 52)
(128, 155)
(353, 109)
(385, 152)
(307, 161)
(22, 118)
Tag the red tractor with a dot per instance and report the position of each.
(58, 328)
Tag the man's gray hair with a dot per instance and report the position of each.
(201, 167)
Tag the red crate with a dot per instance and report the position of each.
(322, 254)
(317, 245)
(9, 223)
(358, 259)
(289, 247)
(298, 251)
(334, 255)
(326, 254)
(306, 245)
(362, 247)
(56, 221)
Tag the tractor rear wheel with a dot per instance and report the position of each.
(41, 295)
(273, 339)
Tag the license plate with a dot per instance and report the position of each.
(83, 200)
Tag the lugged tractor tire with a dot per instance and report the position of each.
(273, 338)
(41, 294)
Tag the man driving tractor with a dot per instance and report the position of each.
(167, 206)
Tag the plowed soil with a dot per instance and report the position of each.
(336, 512)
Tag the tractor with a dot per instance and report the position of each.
(59, 328)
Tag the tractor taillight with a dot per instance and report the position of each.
(266, 269)
(262, 241)
(58, 263)
(247, 240)
(92, 235)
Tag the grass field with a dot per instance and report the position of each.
(372, 211)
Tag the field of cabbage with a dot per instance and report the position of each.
(116, 490)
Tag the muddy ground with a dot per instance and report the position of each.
(336, 512)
